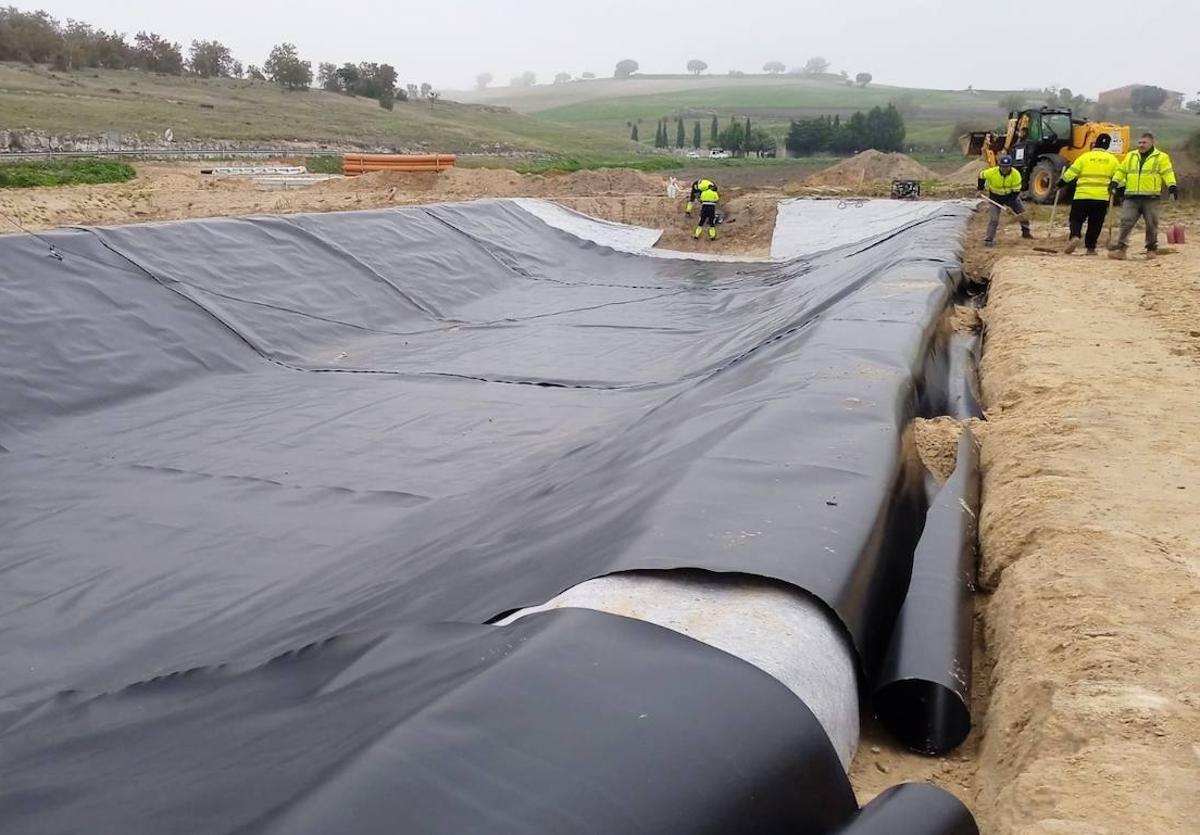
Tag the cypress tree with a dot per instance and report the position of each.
(715, 131)
(696, 135)
(680, 138)
(633, 133)
(747, 135)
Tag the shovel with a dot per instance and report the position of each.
(1108, 244)
(1050, 228)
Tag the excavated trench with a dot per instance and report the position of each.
(375, 573)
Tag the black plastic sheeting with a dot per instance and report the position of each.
(923, 691)
(228, 440)
(444, 728)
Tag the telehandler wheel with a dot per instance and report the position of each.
(1041, 181)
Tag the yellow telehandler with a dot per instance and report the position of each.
(1042, 142)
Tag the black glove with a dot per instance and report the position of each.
(1174, 192)
(1118, 196)
(979, 184)
(1061, 184)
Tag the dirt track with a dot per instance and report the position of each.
(1087, 673)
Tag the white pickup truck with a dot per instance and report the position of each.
(718, 153)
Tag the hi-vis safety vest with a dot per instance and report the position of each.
(1092, 173)
(1144, 176)
(999, 184)
(709, 195)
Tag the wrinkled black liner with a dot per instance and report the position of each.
(499, 412)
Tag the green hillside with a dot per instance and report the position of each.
(92, 102)
(606, 106)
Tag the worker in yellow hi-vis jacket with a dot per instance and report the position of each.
(1137, 187)
(709, 198)
(1091, 173)
(698, 188)
(1003, 186)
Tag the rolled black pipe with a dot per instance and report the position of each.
(922, 693)
(913, 809)
(964, 377)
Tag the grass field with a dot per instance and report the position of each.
(566, 126)
(63, 173)
(94, 102)
(607, 106)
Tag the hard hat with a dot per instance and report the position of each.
(1006, 160)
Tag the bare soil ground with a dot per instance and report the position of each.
(1086, 697)
(166, 191)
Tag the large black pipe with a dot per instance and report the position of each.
(913, 809)
(923, 690)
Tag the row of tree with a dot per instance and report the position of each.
(627, 67)
(738, 137)
(881, 128)
(38, 38)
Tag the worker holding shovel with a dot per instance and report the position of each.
(1091, 172)
(1003, 184)
(699, 186)
(1137, 184)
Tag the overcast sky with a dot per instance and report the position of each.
(923, 43)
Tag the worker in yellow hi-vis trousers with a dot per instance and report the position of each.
(709, 198)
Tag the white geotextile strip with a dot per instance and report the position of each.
(804, 227)
(784, 632)
(636, 240)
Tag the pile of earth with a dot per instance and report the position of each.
(968, 174)
(871, 166)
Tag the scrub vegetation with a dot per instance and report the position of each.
(64, 173)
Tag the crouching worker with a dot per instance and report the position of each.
(709, 198)
(1002, 183)
(698, 188)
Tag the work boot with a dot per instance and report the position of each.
(1026, 233)
(989, 244)
(1151, 253)
(1118, 254)
(1090, 252)
(1072, 245)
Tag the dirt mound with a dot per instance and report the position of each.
(484, 182)
(871, 166)
(967, 175)
(379, 180)
(604, 181)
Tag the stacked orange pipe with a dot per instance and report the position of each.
(366, 163)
